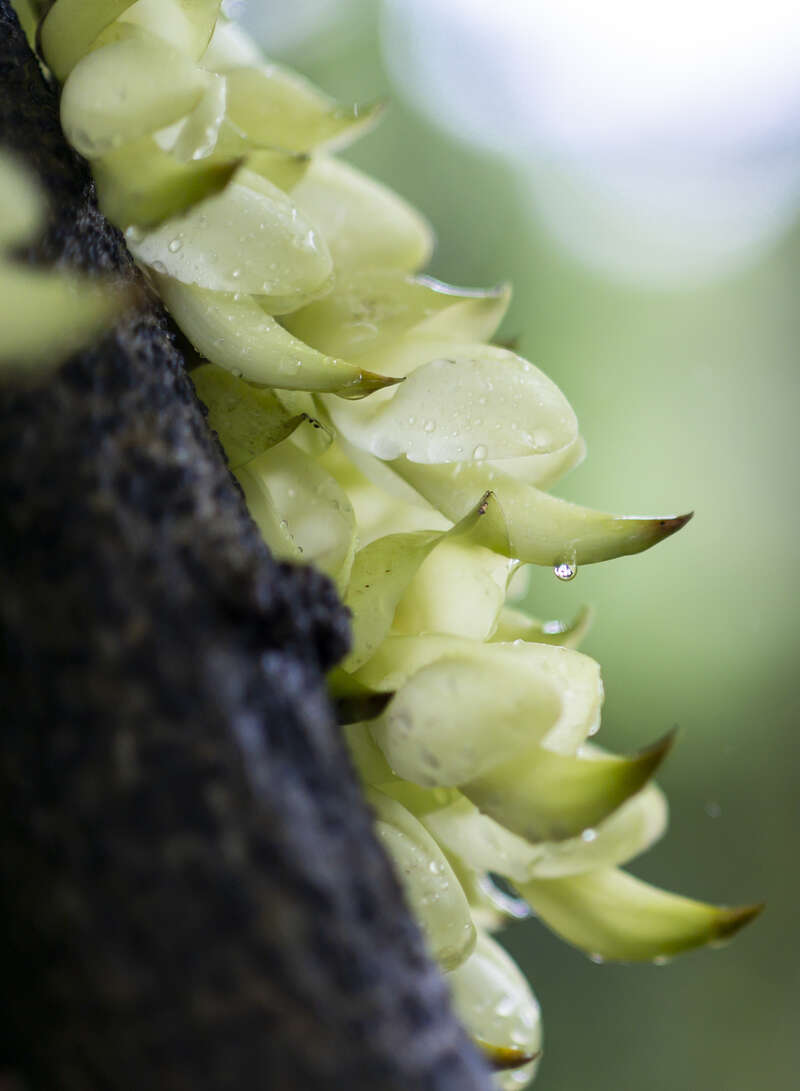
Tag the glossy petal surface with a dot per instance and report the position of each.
(126, 90)
(238, 335)
(364, 223)
(543, 796)
(542, 529)
(612, 915)
(432, 889)
(249, 239)
(495, 1003)
(467, 401)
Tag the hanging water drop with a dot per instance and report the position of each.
(589, 836)
(565, 571)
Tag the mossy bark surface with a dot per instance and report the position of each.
(192, 897)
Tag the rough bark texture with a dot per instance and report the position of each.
(192, 897)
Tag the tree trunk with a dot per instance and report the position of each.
(192, 896)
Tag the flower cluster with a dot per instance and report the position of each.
(380, 434)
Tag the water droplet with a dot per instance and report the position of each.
(435, 868)
(598, 960)
(430, 426)
(589, 836)
(175, 246)
(236, 273)
(159, 266)
(565, 571)
(660, 960)
(480, 453)
(505, 1006)
(411, 420)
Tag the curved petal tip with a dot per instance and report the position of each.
(367, 382)
(505, 1058)
(731, 921)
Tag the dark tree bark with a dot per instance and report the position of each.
(192, 897)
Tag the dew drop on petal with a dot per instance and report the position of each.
(565, 571)
(430, 426)
(175, 246)
(598, 960)
(480, 453)
(589, 836)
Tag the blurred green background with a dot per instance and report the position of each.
(687, 397)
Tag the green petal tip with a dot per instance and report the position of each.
(367, 382)
(649, 758)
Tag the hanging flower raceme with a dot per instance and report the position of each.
(379, 433)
